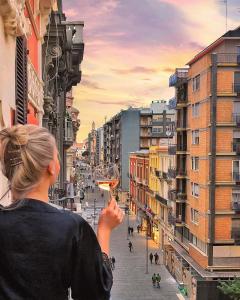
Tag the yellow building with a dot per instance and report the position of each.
(161, 175)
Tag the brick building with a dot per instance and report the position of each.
(206, 245)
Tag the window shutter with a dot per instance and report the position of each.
(21, 80)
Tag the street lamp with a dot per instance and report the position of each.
(147, 218)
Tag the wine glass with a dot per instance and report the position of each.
(110, 179)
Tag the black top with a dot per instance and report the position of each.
(44, 251)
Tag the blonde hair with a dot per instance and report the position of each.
(25, 152)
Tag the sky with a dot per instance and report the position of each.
(133, 46)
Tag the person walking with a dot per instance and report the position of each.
(39, 252)
(132, 231)
(129, 230)
(130, 246)
(113, 262)
(138, 228)
(158, 279)
(154, 280)
(151, 257)
(156, 257)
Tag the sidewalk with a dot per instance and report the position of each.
(130, 280)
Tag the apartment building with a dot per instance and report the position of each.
(121, 136)
(139, 180)
(162, 175)
(99, 146)
(206, 245)
(156, 124)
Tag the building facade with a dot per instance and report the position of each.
(121, 136)
(99, 146)
(156, 124)
(22, 26)
(162, 173)
(138, 192)
(206, 245)
(62, 55)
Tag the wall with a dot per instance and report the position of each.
(130, 133)
(7, 89)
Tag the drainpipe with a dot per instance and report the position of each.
(212, 169)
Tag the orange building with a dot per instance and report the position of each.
(206, 245)
(37, 12)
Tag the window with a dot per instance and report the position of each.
(195, 109)
(237, 82)
(194, 216)
(195, 189)
(198, 243)
(195, 137)
(195, 163)
(236, 170)
(158, 129)
(236, 196)
(196, 83)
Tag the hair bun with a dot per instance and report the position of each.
(18, 135)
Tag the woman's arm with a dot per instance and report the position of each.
(110, 218)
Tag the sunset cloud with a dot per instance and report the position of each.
(137, 69)
(133, 46)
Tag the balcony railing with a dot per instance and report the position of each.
(236, 234)
(181, 172)
(182, 124)
(236, 147)
(181, 147)
(236, 176)
(236, 119)
(172, 149)
(236, 206)
(157, 122)
(228, 58)
(181, 195)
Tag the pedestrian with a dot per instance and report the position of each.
(130, 246)
(113, 262)
(156, 258)
(158, 279)
(154, 280)
(138, 228)
(29, 160)
(129, 230)
(151, 257)
(132, 231)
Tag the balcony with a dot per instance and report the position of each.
(236, 147)
(182, 123)
(181, 195)
(228, 58)
(182, 147)
(236, 206)
(236, 119)
(236, 176)
(172, 149)
(172, 172)
(68, 133)
(181, 172)
(179, 76)
(161, 199)
(236, 234)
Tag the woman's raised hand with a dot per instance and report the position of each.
(111, 216)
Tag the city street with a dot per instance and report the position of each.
(130, 280)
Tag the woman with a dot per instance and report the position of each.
(45, 251)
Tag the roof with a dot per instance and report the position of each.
(228, 35)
